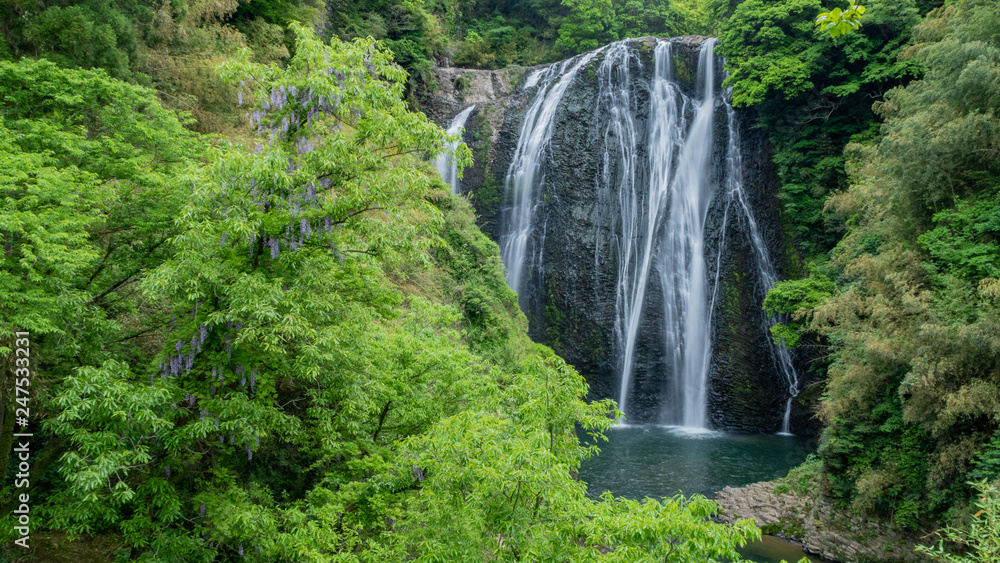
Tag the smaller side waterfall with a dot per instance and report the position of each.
(445, 162)
(525, 173)
(768, 276)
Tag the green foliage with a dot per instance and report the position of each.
(879, 461)
(588, 26)
(966, 240)
(496, 327)
(914, 328)
(768, 48)
(46, 213)
(840, 22)
(281, 12)
(172, 46)
(592, 23)
(480, 34)
(500, 41)
(986, 466)
(981, 542)
(90, 186)
(796, 298)
(802, 479)
(79, 37)
(87, 158)
(109, 418)
(813, 96)
(497, 486)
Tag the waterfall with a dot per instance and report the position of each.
(525, 173)
(684, 184)
(638, 237)
(621, 148)
(445, 162)
(666, 170)
(768, 276)
(683, 275)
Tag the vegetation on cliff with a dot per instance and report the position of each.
(295, 347)
(911, 408)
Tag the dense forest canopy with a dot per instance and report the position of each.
(263, 330)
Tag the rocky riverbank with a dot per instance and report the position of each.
(811, 519)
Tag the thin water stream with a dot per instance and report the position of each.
(662, 461)
(445, 163)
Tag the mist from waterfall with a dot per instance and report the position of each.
(445, 162)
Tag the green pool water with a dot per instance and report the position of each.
(662, 461)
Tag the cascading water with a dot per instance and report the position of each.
(683, 275)
(639, 237)
(676, 245)
(621, 148)
(736, 196)
(669, 191)
(525, 173)
(445, 163)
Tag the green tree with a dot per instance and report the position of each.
(777, 60)
(981, 540)
(840, 22)
(589, 25)
(89, 191)
(914, 327)
(797, 299)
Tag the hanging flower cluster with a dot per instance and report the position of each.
(269, 117)
(182, 361)
(283, 112)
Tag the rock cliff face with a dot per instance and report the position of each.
(572, 290)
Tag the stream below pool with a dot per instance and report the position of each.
(662, 461)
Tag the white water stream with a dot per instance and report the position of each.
(525, 174)
(683, 274)
(768, 275)
(445, 162)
